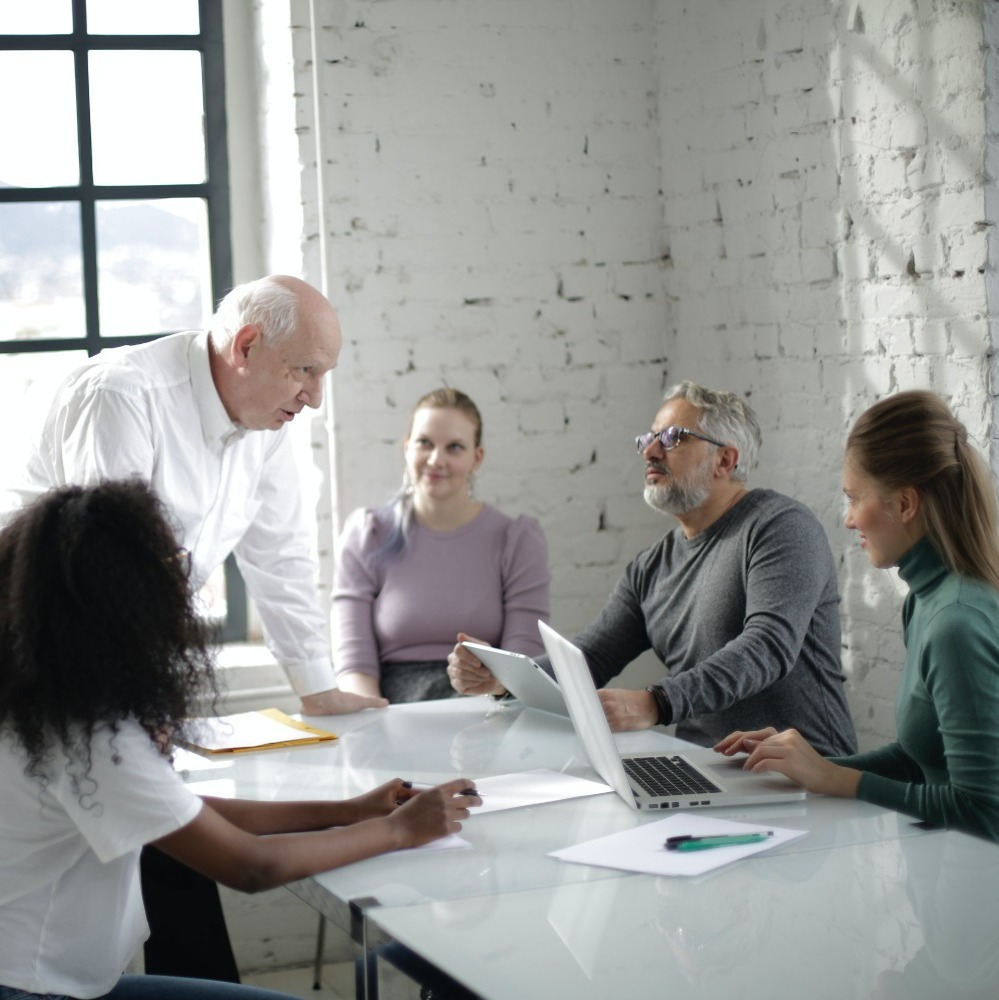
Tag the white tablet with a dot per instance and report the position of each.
(522, 677)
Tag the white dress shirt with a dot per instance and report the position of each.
(153, 411)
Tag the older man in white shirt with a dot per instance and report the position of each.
(182, 412)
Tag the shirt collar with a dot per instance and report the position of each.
(215, 423)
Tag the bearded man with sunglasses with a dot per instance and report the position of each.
(739, 601)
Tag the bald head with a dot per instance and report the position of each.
(275, 304)
(272, 342)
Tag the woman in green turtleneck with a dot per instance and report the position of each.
(922, 499)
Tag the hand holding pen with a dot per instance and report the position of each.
(464, 791)
(423, 815)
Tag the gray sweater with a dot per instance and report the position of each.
(745, 617)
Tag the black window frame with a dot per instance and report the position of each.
(214, 190)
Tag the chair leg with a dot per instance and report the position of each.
(317, 966)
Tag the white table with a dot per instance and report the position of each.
(912, 919)
(508, 921)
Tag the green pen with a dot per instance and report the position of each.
(691, 843)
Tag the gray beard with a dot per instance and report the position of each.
(676, 498)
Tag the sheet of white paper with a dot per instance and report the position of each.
(245, 729)
(641, 848)
(448, 843)
(531, 788)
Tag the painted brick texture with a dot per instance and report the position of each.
(827, 243)
(494, 222)
(563, 206)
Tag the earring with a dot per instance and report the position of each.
(471, 486)
(408, 489)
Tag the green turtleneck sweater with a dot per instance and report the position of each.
(944, 766)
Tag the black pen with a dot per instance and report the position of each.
(688, 842)
(464, 791)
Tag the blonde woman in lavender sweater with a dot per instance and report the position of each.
(434, 566)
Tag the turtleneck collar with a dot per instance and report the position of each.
(921, 567)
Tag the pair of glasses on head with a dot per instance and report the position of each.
(670, 437)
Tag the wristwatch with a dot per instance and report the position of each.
(663, 706)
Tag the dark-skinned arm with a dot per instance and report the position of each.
(252, 846)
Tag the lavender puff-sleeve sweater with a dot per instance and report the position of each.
(489, 579)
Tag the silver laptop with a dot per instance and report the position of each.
(522, 677)
(653, 779)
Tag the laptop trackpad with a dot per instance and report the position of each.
(729, 770)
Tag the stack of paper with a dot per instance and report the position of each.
(642, 849)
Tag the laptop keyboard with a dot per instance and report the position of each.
(660, 775)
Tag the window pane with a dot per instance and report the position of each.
(147, 117)
(152, 266)
(41, 274)
(140, 17)
(27, 384)
(40, 17)
(39, 146)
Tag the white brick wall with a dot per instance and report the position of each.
(563, 206)
(494, 222)
(835, 207)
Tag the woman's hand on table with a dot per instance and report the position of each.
(790, 754)
(740, 742)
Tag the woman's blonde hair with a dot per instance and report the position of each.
(447, 398)
(913, 439)
(401, 504)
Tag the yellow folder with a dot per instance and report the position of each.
(266, 729)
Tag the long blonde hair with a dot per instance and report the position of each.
(913, 439)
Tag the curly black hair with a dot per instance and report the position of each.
(97, 623)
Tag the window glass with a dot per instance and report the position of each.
(153, 271)
(27, 383)
(41, 271)
(38, 129)
(142, 17)
(40, 17)
(86, 263)
(147, 117)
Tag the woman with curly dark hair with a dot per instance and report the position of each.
(101, 658)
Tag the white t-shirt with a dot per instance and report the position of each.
(71, 914)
